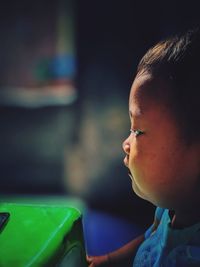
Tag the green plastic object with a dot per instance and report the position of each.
(41, 235)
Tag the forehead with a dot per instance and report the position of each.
(150, 111)
(146, 93)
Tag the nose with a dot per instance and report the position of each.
(126, 146)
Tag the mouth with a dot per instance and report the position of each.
(126, 163)
(126, 160)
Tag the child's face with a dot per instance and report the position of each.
(164, 169)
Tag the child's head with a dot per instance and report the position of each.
(163, 149)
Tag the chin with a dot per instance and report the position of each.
(137, 191)
(140, 194)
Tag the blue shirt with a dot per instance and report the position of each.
(168, 247)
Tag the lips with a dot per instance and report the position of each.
(126, 160)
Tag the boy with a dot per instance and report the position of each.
(163, 155)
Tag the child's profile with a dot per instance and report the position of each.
(162, 154)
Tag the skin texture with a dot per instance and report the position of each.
(164, 168)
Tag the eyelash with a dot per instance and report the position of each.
(136, 132)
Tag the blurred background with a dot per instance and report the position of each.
(66, 68)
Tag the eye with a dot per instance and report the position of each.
(136, 132)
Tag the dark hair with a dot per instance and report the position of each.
(177, 61)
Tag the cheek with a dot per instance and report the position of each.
(140, 163)
(154, 167)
